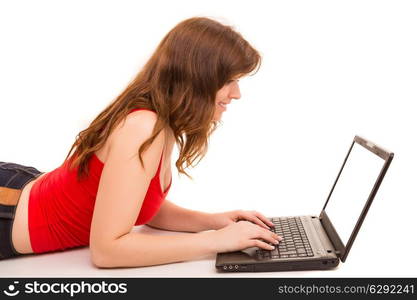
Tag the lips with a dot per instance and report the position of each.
(222, 105)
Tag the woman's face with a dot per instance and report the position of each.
(224, 96)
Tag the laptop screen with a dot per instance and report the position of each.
(353, 189)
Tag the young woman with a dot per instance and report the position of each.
(117, 173)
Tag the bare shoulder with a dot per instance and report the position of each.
(143, 120)
(144, 117)
(135, 128)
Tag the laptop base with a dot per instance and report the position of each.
(325, 256)
(281, 266)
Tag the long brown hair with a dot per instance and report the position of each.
(179, 82)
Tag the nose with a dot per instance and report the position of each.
(235, 91)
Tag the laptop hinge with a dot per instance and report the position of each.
(331, 233)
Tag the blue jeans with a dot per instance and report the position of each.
(13, 178)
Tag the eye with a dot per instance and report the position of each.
(230, 81)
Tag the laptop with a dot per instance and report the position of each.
(320, 242)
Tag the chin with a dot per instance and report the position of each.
(217, 117)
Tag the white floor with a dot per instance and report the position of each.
(76, 263)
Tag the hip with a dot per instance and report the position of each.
(16, 181)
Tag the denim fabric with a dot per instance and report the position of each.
(13, 178)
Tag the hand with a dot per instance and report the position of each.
(242, 235)
(221, 220)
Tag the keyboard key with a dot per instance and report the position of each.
(295, 241)
(288, 252)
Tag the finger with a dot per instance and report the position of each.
(256, 220)
(270, 237)
(250, 217)
(261, 244)
(266, 235)
(257, 231)
(263, 218)
(260, 232)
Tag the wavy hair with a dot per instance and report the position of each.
(179, 82)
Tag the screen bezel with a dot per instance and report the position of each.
(387, 156)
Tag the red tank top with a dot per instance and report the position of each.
(61, 209)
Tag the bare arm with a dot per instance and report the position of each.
(122, 188)
(173, 217)
(135, 249)
(119, 200)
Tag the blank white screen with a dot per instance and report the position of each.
(353, 189)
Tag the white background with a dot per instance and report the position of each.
(330, 70)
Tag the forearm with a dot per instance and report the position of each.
(136, 249)
(176, 218)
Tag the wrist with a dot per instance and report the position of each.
(215, 221)
(208, 221)
(209, 241)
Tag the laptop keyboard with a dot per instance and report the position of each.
(294, 244)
